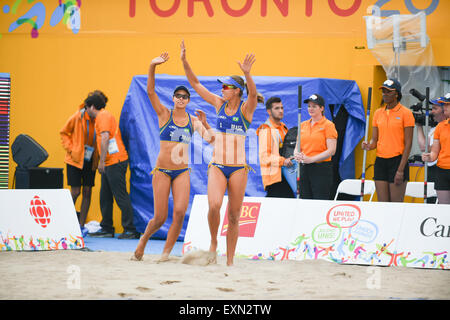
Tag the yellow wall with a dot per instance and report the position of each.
(52, 74)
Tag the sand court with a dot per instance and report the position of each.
(78, 274)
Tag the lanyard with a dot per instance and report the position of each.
(87, 129)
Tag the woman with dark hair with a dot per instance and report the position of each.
(392, 133)
(228, 169)
(78, 139)
(171, 170)
(112, 165)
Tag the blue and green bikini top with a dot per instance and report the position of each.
(234, 124)
(172, 132)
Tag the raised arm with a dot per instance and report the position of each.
(208, 96)
(252, 100)
(160, 110)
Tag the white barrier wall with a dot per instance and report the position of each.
(370, 233)
(38, 220)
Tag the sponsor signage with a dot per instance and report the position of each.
(38, 220)
(343, 215)
(247, 220)
(370, 233)
(430, 227)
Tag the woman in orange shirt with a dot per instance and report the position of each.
(318, 139)
(392, 133)
(440, 150)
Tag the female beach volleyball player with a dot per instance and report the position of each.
(228, 168)
(171, 170)
(392, 133)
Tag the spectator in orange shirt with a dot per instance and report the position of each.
(392, 133)
(318, 139)
(270, 139)
(78, 139)
(112, 166)
(440, 150)
(438, 115)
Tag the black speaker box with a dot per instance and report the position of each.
(27, 153)
(22, 178)
(39, 178)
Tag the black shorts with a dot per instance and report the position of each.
(432, 173)
(316, 180)
(442, 179)
(385, 169)
(81, 177)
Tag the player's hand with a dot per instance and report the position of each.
(161, 59)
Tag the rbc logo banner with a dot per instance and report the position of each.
(247, 220)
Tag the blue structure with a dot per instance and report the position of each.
(140, 132)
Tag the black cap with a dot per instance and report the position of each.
(317, 99)
(392, 84)
(182, 88)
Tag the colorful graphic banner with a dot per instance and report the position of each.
(368, 233)
(38, 220)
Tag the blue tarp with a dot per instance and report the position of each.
(140, 132)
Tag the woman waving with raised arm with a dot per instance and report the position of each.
(228, 169)
(171, 170)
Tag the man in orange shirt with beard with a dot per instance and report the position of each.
(440, 150)
(112, 166)
(270, 139)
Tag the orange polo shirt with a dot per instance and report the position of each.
(391, 135)
(270, 140)
(74, 135)
(313, 139)
(105, 122)
(442, 133)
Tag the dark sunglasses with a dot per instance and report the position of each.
(181, 96)
(228, 86)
